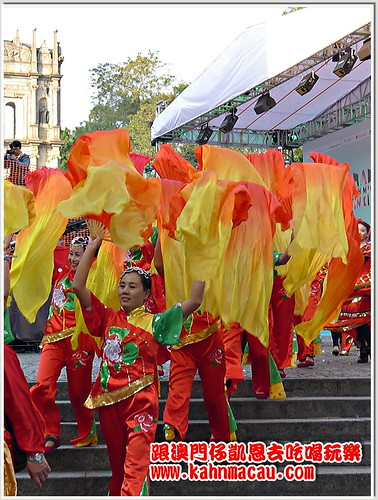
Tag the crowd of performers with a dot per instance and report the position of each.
(211, 267)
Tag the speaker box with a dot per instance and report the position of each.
(365, 51)
(264, 103)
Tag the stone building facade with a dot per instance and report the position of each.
(31, 87)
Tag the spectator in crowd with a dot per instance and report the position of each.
(15, 154)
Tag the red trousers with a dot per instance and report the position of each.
(258, 357)
(303, 349)
(206, 356)
(129, 427)
(78, 365)
(281, 321)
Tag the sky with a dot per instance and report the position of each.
(188, 38)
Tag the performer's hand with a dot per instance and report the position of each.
(38, 471)
(95, 242)
(6, 244)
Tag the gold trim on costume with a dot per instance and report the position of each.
(197, 336)
(109, 398)
(54, 337)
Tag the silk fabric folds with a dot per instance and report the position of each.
(219, 222)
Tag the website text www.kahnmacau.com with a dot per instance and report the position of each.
(246, 461)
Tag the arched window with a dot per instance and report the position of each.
(10, 121)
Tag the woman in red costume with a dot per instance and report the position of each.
(355, 317)
(57, 352)
(126, 390)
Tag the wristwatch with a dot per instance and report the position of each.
(36, 459)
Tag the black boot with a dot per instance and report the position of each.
(364, 354)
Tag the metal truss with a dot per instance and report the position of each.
(237, 137)
(305, 65)
(351, 109)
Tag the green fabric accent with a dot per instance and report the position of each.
(318, 338)
(275, 376)
(166, 326)
(145, 492)
(130, 353)
(188, 323)
(295, 343)
(276, 256)
(246, 348)
(50, 312)
(136, 254)
(92, 432)
(104, 376)
(70, 303)
(8, 335)
(154, 236)
(120, 332)
(231, 419)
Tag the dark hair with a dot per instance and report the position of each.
(367, 226)
(145, 276)
(16, 144)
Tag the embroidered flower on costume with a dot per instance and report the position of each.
(112, 351)
(58, 296)
(216, 357)
(145, 422)
(81, 358)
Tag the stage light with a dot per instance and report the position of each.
(264, 103)
(229, 122)
(345, 64)
(307, 82)
(365, 51)
(204, 135)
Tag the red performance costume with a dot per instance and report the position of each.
(356, 311)
(126, 390)
(28, 424)
(57, 352)
(281, 321)
(201, 348)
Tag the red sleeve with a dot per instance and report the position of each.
(97, 318)
(60, 261)
(28, 423)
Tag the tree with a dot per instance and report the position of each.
(126, 95)
(121, 89)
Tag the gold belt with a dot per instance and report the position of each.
(54, 337)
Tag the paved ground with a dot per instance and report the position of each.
(326, 365)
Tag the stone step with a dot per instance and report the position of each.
(330, 481)
(301, 387)
(249, 407)
(68, 457)
(302, 430)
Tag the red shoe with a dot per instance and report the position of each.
(261, 395)
(282, 373)
(56, 443)
(302, 363)
(310, 361)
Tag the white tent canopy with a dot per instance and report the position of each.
(263, 51)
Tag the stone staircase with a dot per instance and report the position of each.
(315, 410)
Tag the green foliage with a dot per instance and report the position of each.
(67, 136)
(121, 89)
(125, 95)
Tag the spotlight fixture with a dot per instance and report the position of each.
(264, 103)
(229, 122)
(204, 135)
(345, 64)
(307, 82)
(365, 51)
